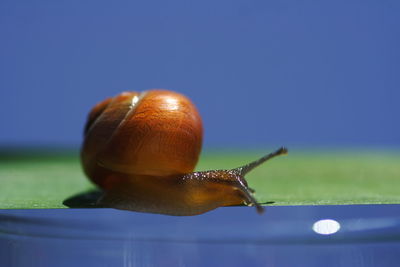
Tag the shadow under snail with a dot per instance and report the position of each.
(142, 148)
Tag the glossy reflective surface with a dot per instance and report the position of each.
(366, 235)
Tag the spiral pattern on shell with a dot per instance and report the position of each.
(154, 133)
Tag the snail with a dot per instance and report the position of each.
(141, 150)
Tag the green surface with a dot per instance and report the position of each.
(301, 178)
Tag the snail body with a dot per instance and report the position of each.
(142, 148)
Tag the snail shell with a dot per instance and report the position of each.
(155, 133)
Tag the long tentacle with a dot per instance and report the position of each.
(243, 170)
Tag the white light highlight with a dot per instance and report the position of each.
(135, 99)
(172, 103)
(326, 227)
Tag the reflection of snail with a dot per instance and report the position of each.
(141, 149)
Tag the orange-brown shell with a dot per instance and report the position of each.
(154, 133)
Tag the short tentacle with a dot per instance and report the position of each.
(248, 195)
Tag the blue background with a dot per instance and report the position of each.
(307, 73)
